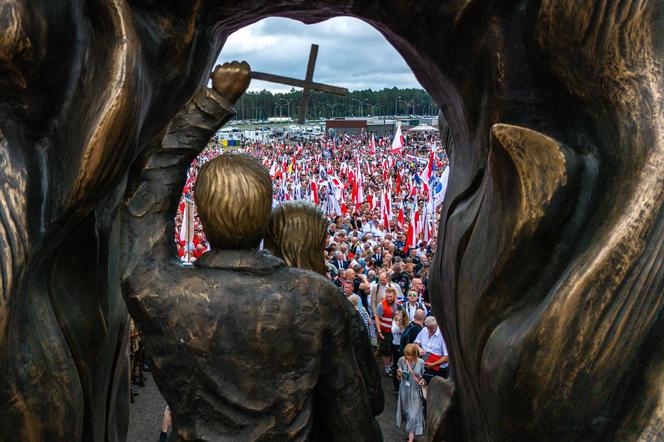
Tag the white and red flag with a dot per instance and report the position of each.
(398, 141)
(413, 225)
(314, 192)
(386, 209)
(400, 220)
(430, 166)
(372, 201)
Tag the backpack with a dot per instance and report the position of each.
(405, 336)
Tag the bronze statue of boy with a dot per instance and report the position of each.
(241, 344)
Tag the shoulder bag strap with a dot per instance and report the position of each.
(417, 378)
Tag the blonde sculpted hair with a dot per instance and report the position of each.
(296, 233)
(233, 195)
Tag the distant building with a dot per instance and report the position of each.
(380, 128)
(354, 126)
(339, 128)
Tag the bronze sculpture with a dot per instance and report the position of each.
(296, 233)
(577, 257)
(243, 346)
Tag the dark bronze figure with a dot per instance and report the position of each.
(296, 233)
(548, 280)
(242, 345)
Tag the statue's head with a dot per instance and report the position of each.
(296, 233)
(234, 199)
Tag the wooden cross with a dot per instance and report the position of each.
(307, 84)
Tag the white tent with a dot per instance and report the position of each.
(424, 128)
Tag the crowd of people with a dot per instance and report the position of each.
(382, 201)
(360, 183)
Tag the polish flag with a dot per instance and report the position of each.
(388, 204)
(337, 182)
(430, 166)
(372, 201)
(411, 239)
(359, 184)
(400, 220)
(355, 194)
(386, 209)
(425, 189)
(397, 142)
(372, 145)
(314, 192)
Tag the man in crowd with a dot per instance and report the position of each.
(378, 255)
(348, 289)
(360, 284)
(412, 304)
(383, 319)
(413, 330)
(339, 262)
(400, 277)
(432, 349)
(378, 290)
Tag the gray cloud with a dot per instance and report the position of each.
(352, 54)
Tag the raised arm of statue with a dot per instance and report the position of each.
(156, 183)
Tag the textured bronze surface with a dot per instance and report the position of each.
(243, 347)
(549, 294)
(296, 233)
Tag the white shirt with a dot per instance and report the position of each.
(434, 344)
(411, 309)
(396, 334)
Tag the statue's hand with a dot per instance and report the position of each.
(230, 80)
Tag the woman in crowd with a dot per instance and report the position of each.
(355, 300)
(399, 323)
(410, 406)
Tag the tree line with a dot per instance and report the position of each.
(388, 102)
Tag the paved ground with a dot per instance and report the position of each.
(148, 408)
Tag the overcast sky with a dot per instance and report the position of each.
(352, 54)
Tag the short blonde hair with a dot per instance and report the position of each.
(296, 233)
(234, 198)
(411, 352)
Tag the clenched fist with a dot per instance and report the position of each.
(230, 80)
